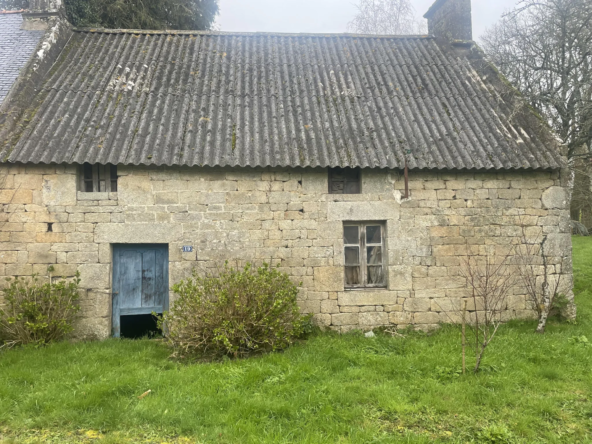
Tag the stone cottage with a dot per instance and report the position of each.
(367, 166)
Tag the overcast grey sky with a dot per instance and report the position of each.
(330, 16)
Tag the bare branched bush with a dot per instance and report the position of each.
(386, 17)
(490, 282)
(235, 312)
(541, 283)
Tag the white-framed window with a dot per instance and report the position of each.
(365, 253)
(98, 178)
(345, 181)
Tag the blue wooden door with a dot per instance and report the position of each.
(140, 281)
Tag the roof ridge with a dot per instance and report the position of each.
(248, 34)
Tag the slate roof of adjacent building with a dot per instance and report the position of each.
(16, 47)
(221, 99)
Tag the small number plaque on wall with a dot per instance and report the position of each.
(187, 249)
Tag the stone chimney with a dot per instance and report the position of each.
(40, 13)
(450, 19)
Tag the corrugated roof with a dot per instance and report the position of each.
(16, 47)
(183, 98)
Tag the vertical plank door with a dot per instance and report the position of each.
(140, 281)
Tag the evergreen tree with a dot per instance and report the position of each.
(143, 14)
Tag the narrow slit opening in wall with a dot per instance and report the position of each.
(139, 326)
(50, 227)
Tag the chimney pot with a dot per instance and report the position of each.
(450, 19)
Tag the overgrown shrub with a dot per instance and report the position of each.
(36, 312)
(234, 313)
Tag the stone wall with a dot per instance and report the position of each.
(286, 216)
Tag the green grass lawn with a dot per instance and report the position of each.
(330, 389)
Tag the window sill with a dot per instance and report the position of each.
(366, 288)
(347, 197)
(96, 196)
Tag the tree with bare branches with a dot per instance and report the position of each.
(490, 281)
(386, 17)
(544, 47)
(540, 276)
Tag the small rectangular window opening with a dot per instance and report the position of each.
(344, 181)
(49, 227)
(98, 178)
(364, 250)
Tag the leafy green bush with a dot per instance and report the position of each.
(236, 313)
(38, 313)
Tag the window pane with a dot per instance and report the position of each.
(375, 275)
(352, 275)
(113, 176)
(87, 171)
(374, 256)
(352, 255)
(352, 174)
(336, 187)
(344, 180)
(337, 174)
(87, 179)
(352, 188)
(373, 235)
(351, 234)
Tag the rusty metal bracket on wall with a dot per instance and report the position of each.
(407, 176)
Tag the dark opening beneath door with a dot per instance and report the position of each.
(139, 326)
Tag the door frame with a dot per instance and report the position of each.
(116, 311)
